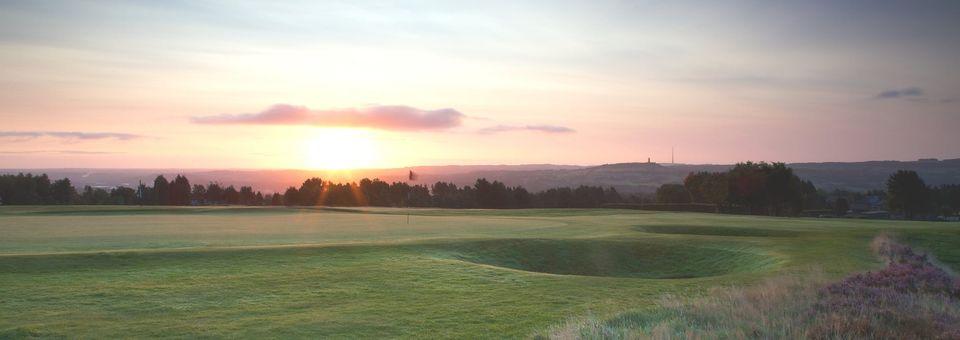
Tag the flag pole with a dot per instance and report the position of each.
(411, 176)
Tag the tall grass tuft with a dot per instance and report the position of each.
(910, 298)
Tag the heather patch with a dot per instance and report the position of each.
(909, 298)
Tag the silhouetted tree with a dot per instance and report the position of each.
(672, 193)
(377, 192)
(123, 195)
(231, 195)
(92, 195)
(276, 199)
(947, 199)
(62, 192)
(215, 194)
(179, 191)
(747, 183)
(161, 189)
(248, 196)
(841, 206)
(811, 198)
(310, 190)
(907, 193)
(419, 196)
(291, 196)
(199, 194)
(708, 187)
(25, 189)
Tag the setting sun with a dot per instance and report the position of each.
(339, 149)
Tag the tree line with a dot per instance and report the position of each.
(29, 189)
(773, 189)
(907, 193)
(751, 188)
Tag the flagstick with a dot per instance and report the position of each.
(411, 177)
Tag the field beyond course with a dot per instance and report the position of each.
(120, 271)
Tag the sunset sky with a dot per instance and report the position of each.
(329, 84)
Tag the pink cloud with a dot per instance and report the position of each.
(402, 118)
(25, 135)
(536, 128)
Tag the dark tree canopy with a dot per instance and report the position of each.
(841, 206)
(179, 191)
(754, 188)
(673, 193)
(161, 191)
(907, 193)
(62, 192)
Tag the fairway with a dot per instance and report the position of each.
(106, 272)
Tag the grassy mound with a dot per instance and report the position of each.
(717, 231)
(640, 259)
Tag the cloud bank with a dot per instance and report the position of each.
(68, 135)
(536, 128)
(907, 92)
(400, 118)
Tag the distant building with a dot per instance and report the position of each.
(876, 202)
(868, 203)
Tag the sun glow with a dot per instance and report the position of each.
(341, 149)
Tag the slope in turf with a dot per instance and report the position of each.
(717, 231)
(592, 257)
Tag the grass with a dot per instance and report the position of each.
(103, 272)
(910, 298)
(771, 309)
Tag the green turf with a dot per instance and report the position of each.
(105, 272)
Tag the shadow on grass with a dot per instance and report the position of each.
(717, 231)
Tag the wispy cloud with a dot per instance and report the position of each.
(536, 128)
(402, 118)
(901, 93)
(68, 135)
(65, 152)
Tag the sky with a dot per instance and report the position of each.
(370, 84)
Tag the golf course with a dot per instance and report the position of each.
(254, 272)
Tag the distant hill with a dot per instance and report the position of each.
(873, 175)
(626, 177)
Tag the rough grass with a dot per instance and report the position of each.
(909, 298)
(108, 272)
(768, 310)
